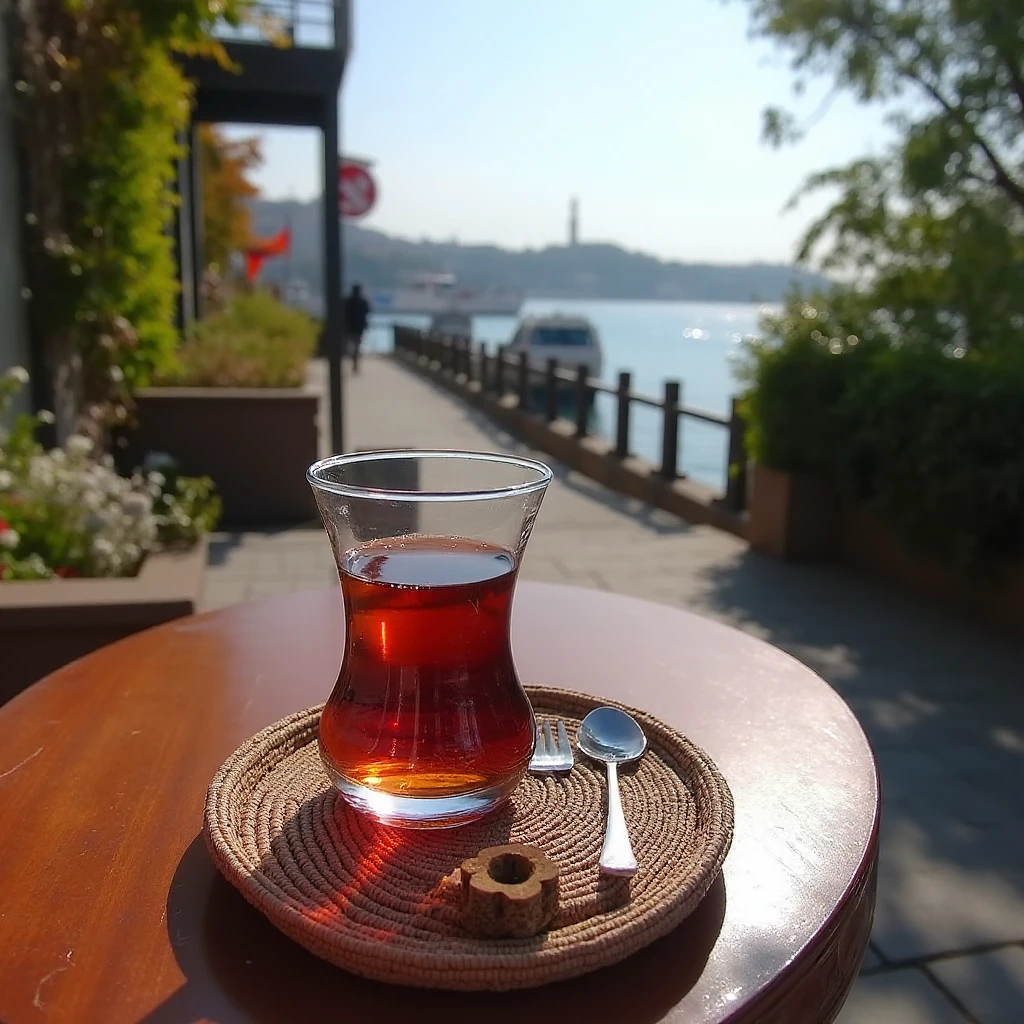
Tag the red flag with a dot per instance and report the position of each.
(255, 255)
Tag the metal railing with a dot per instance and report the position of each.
(501, 374)
(317, 24)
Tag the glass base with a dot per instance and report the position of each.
(423, 812)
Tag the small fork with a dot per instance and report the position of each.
(552, 754)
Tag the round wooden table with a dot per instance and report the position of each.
(112, 910)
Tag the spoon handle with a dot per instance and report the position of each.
(617, 854)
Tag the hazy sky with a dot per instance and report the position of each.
(483, 117)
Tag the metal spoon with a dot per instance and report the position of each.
(612, 736)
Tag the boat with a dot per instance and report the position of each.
(427, 294)
(572, 340)
(452, 325)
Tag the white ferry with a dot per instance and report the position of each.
(428, 294)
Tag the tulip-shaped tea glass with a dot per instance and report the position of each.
(428, 724)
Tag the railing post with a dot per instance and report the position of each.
(551, 391)
(670, 431)
(582, 400)
(499, 373)
(485, 368)
(736, 479)
(524, 381)
(622, 420)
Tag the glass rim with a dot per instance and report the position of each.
(544, 475)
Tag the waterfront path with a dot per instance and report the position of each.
(941, 699)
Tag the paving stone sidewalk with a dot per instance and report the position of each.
(941, 698)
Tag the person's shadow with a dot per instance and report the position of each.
(238, 967)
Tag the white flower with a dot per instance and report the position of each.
(96, 521)
(45, 416)
(138, 505)
(18, 374)
(157, 479)
(9, 538)
(102, 547)
(40, 472)
(131, 552)
(116, 374)
(78, 444)
(6, 479)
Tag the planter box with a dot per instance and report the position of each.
(798, 518)
(47, 623)
(793, 516)
(255, 443)
(870, 544)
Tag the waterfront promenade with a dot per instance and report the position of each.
(941, 699)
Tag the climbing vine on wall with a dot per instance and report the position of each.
(101, 103)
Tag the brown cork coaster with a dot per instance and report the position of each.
(383, 902)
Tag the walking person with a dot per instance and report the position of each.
(357, 318)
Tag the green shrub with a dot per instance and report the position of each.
(930, 438)
(256, 342)
(100, 101)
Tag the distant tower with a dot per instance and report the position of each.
(574, 222)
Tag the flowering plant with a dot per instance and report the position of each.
(67, 512)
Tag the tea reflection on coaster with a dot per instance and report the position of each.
(428, 724)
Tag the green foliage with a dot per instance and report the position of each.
(225, 166)
(100, 104)
(257, 341)
(187, 508)
(129, 160)
(905, 388)
(929, 439)
(934, 228)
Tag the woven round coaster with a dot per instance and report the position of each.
(384, 902)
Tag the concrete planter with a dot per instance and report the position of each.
(799, 518)
(254, 442)
(996, 594)
(793, 516)
(47, 623)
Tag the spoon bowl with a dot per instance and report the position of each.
(608, 734)
(613, 737)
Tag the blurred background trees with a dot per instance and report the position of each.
(904, 385)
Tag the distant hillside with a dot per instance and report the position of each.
(589, 270)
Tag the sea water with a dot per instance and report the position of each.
(696, 343)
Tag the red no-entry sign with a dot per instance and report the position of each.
(357, 190)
